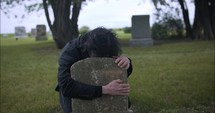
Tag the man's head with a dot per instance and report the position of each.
(101, 42)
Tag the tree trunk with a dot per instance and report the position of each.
(63, 29)
(197, 25)
(74, 21)
(206, 19)
(189, 32)
(212, 14)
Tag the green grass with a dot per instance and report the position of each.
(28, 76)
(123, 36)
(168, 78)
(172, 76)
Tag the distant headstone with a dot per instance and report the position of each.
(5, 36)
(141, 35)
(99, 71)
(20, 32)
(33, 32)
(41, 33)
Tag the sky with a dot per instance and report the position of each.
(106, 13)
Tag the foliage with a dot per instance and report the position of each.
(164, 7)
(127, 29)
(29, 6)
(167, 27)
(158, 31)
(84, 29)
(169, 76)
(203, 25)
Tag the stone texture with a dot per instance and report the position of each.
(99, 71)
(20, 32)
(141, 35)
(141, 42)
(33, 32)
(41, 33)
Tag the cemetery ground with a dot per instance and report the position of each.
(167, 78)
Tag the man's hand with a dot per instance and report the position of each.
(116, 87)
(122, 62)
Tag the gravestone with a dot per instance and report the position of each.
(5, 36)
(20, 32)
(33, 32)
(41, 33)
(141, 35)
(99, 71)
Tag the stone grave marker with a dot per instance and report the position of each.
(41, 33)
(20, 32)
(5, 36)
(141, 35)
(33, 32)
(99, 71)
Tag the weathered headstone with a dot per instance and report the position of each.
(20, 32)
(33, 32)
(5, 36)
(99, 71)
(141, 35)
(41, 33)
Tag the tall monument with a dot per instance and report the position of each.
(141, 35)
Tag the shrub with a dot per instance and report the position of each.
(84, 29)
(127, 29)
(168, 27)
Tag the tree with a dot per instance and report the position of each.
(175, 12)
(64, 26)
(204, 18)
(167, 27)
(127, 29)
(185, 12)
(203, 26)
(84, 29)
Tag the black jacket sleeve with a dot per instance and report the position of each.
(130, 69)
(71, 88)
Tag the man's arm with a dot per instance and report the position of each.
(116, 87)
(69, 87)
(124, 62)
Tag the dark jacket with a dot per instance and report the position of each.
(70, 54)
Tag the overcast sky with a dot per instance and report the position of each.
(107, 13)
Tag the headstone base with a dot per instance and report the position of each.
(24, 36)
(147, 42)
(43, 38)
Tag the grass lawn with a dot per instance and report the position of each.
(168, 78)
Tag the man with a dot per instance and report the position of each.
(99, 42)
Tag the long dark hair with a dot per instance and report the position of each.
(101, 42)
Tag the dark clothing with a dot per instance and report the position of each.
(68, 87)
(66, 103)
